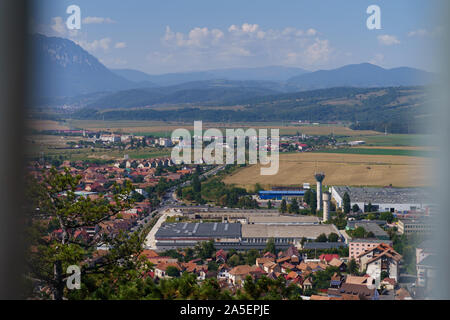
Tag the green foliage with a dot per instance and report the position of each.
(359, 232)
(196, 185)
(387, 216)
(322, 238)
(270, 246)
(225, 195)
(333, 237)
(205, 249)
(56, 199)
(378, 112)
(321, 279)
(294, 208)
(172, 271)
(283, 206)
(352, 267)
(346, 201)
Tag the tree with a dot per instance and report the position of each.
(346, 201)
(172, 271)
(294, 206)
(355, 208)
(196, 185)
(313, 203)
(251, 289)
(270, 246)
(387, 216)
(283, 206)
(307, 197)
(179, 192)
(269, 204)
(258, 188)
(51, 255)
(205, 249)
(352, 267)
(234, 260)
(333, 237)
(322, 238)
(359, 232)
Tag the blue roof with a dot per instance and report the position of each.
(301, 192)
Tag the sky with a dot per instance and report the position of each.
(194, 35)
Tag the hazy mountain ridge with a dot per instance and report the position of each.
(62, 68)
(270, 73)
(66, 74)
(215, 92)
(361, 75)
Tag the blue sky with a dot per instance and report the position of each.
(179, 35)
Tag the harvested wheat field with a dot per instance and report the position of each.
(340, 169)
(46, 125)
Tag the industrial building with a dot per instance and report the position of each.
(369, 226)
(418, 226)
(384, 199)
(284, 234)
(183, 235)
(238, 236)
(284, 220)
(281, 194)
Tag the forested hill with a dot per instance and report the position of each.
(399, 109)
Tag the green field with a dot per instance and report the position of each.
(394, 140)
(386, 152)
(98, 153)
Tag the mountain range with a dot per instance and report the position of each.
(62, 71)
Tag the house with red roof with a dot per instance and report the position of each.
(327, 257)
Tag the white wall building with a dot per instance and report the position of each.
(384, 199)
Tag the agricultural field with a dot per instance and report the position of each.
(41, 125)
(160, 128)
(382, 151)
(53, 145)
(396, 140)
(340, 169)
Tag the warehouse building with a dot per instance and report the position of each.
(184, 235)
(281, 194)
(283, 220)
(283, 235)
(369, 226)
(384, 199)
(236, 235)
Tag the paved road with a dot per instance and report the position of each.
(150, 242)
(170, 200)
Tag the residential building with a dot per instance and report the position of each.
(382, 258)
(358, 246)
(414, 226)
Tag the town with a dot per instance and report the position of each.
(321, 242)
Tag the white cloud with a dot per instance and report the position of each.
(319, 51)
(113, 62)
(424, 33)
(388, 40)
(247, 44)
(97, 20)
(58, 25)
(311, 32)
(377, 59)
(102, 44)
(120, 45)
